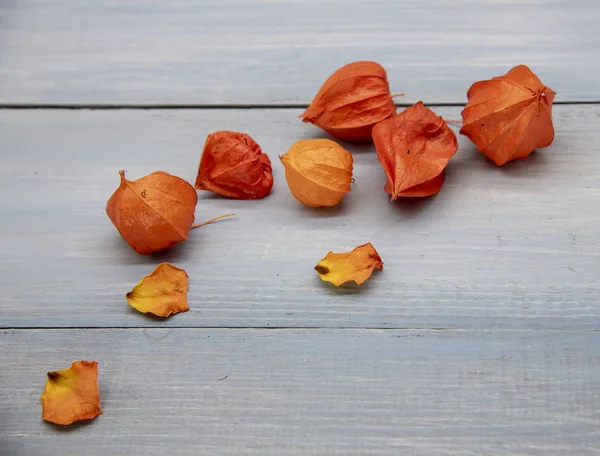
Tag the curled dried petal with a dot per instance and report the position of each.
(357, 265)
(72, 394)
(162, 293)
(509, 116)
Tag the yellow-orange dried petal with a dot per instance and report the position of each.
(72, 394)
(509, 116)
(318, 171)
(357, 265)
(351, 101)
(162, 293)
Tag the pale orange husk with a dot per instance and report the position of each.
(318, 171)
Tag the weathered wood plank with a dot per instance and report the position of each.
(307, 392)
(266, 51)
(515, 247)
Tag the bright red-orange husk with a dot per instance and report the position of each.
(351, 101)
(414, 148)
(234, 166)
(509, 116)
(154, 212)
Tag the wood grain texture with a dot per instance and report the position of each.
(513, 247)
(310, 392)
(269, 51)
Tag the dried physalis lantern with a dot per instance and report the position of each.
(162, 293)
(509, 116)
(414, 148)
(72, 394)
(233, 165)
(351, 101)
(318, 171)
(357, 265)
(154, 212)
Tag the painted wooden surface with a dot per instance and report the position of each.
(480, 336)
(310, 392)
(514, 247)
(269, 51)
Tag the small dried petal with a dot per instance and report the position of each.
(357, 265)
(318, 171)
(72, 394)
(414, 148)
(509, 116)
(351, 101)
(154, 212)
(233, 165)
(162, 293)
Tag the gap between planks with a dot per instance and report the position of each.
(118, 106)
(294, 329)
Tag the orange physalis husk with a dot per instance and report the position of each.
(414, 148)
(154, 212)
(351, 101)
(509, 116)
(318, 171)
(357, 265)
(72, 394)
(233, 165)
(162, 293)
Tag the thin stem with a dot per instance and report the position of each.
(397, 95)
(457, 122)
(198, 225)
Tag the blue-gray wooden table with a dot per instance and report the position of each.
(480, 336)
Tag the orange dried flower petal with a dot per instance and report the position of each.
(509, 116)
(414, 148)
(357, 265)
(162, 293)
(233, 165)
(351, 101)
(318, 171)
(154, 212)
(72, 394)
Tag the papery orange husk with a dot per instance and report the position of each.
(318, 171)
(162, 293)
(72, 394)
(154, 212)
(351, 101)
(414, 148)
(357, 265)
(233, 165)
(509, 116)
